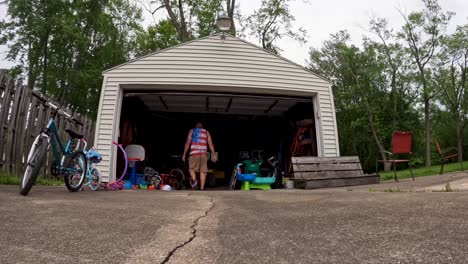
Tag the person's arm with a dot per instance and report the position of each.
(187, 144)
(213, 152)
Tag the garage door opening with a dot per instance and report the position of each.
(243, 127)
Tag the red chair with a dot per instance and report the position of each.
(401, 145)
(444, 155)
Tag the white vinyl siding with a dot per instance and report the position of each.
(209, 64)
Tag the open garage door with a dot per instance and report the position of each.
(242, 126)
(232, 104)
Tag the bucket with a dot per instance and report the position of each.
(128, 184)
(290, 184)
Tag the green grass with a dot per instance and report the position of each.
(8, 179)
(423, 171)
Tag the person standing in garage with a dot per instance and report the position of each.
(198, 140)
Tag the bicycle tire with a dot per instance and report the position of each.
(84, 167)
(95, 179)
(179, 178)
(34, 163)
(233, 181)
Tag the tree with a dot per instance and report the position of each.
(452, 80)
(154, 38)
(361, 91)
(422, 33)
(65, 45)
(28, 31)
(395, 60)
(273, 21)
(192, 18)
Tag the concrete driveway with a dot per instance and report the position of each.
(324, 226)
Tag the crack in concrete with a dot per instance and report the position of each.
(194, 233)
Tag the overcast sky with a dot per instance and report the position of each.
(322, 18)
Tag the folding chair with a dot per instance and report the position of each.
(444, 155)
(401, 145)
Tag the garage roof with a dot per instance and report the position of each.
(196, 42)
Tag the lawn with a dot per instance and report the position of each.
(15, 180)
(423, 171)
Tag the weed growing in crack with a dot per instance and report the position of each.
(448, 188)
(392, 190)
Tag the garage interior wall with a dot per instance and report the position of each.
(211, 64)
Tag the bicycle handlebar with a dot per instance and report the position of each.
(65, 114)
(85, 143)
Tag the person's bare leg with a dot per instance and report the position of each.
(193, 175)
(202, 180)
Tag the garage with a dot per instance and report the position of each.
(249, 99)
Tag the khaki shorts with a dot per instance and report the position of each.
(198, 163)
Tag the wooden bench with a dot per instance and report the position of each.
(313, 172)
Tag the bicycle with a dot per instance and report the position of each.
(72, 164)
(179, 172)
(152, 177)
(93, 176)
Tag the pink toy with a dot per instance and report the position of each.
(119, 183)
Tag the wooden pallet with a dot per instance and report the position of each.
(313, 172)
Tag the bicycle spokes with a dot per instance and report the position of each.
(77, 173)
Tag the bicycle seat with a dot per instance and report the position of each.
(73, 134)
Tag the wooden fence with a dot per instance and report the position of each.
(23, 114)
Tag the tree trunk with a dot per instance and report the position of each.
(231, 5)
(394, 99)
(180, 26)
(378, 141)
(44, 64)
(183, 24)
(460, 141)
(427, 121)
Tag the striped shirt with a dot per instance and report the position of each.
(199, 142)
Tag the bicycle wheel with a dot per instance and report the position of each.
(95, 179)
(179, 177)
(232, 183)
(78, 166)
(34, 163)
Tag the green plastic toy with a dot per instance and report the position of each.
(252, 166)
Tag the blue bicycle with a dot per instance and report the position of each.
(68, 160)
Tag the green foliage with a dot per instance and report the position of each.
(362, 97)
(412, 80)
(205, 14)
(155, 38)
(422, 34)
(62, 47)
(190, 18)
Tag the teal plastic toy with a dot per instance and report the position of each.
(250, 181)
(263, 183)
